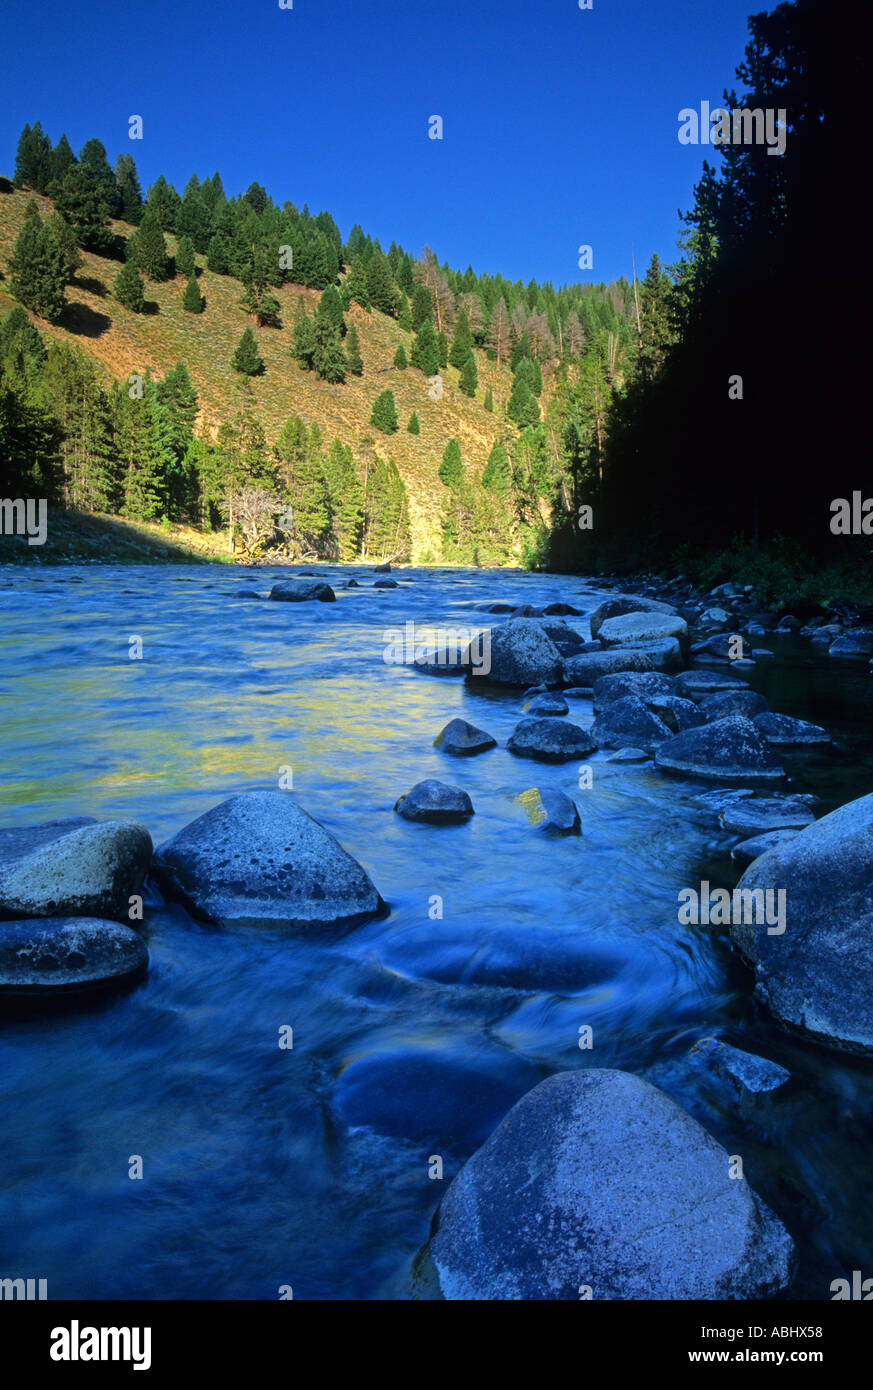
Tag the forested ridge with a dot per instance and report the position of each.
(228, 362)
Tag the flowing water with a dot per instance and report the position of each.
(412, 1035)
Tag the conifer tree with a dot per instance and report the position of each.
(404, 314)
(462, 342)
(353, 352)
(185, 263)
(128, 288)
(247, 359)
(148, 248)
(451, 470)
(80, 200)
(523, 407)
(192, 299)
(328, 359)
(413, 427)
(62, 159)
(381, 288)
(489, 400)
(400, 358)
(354, 287)
(346, 501)
(305, 342)
(33, 163)
(384, 415)
(425, 352)
(164, 202)
(307, 486)
(37, 270)
(469, 378)
(67, 243)
(218, 255)
(443, 346)
(130, 206)
(422, 306)
(330, 309)
(92, 156)
(498, 472)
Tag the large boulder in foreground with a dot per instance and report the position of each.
(522, 653)
(550, 740)
(302, 591)
(259, 860)
(588, 667)
(729, 750)
(625, 603)
(57, 954)
(816, 977)
(597, 1179)
(91, 870)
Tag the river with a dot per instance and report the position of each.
(260, 1169)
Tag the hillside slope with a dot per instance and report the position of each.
(123, 342)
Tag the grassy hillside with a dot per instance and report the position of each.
(123, 342)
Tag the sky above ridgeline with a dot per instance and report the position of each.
(560, 124)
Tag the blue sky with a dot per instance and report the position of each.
(560, 125)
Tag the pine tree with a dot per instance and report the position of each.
(529, 371)
(413, 427)
(462, 342)
(81, 201)
(523, 407)
(489, 400)
(62, 160)
(247, 359)
(148, 248)
(185, 262)
(381, 288)
(384, 415)
(354, 361)
(192, 299)
(67, 243)
(305, 343)
(469, 378)
(129, 289)
(443, 346)
(138, 448)
(218, 255)
(425, 352)
(346, 501)
(400, 358)
(306, 483)
(129, 192)
(330, 308)
(164, 202)
(33, 162)
(328, 359)
(404, 314)
(498, 473)
(37, 271)
(451, 470)
(422, 306)
(354, 288)
(87, 461)
(92, 156)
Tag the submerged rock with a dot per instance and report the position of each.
(385, 584)
(597, 1179)
(302, 590)
(68, 953)
(729, 750)
(550, 740)
(463, 740)
(551, 812)
(91, 870)
(259, 860)
(746, 1076)
(435, 802)
(816, 977)
(629, 723)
